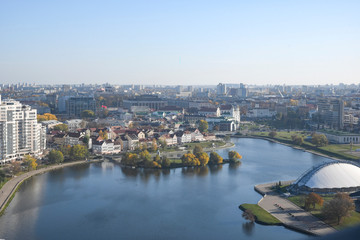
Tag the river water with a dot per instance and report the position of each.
(105, 201)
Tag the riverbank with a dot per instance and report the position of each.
(288, 213)
(10, 187)
(295, 147)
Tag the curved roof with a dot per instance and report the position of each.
(331, 175)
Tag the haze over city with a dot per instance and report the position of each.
(180, 42)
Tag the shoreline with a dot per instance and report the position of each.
(290, 215)
(295, 147)
(10, 187)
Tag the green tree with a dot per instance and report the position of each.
(215, 158)
(203, 158)
(56, 156)
(272, 134)
(145, 156)
(65, 149)
(78, 152)
(61, 127)
(190, 159)
(197, 149)
(339, 207)
(2, 176)
(298, 140)
(30, 162)
(165, 162)
(234, 156)
(130, 159)
(319, 140)
(157, 158)
(152, 164)
(87, 114)
(86, 140)
(203, 126)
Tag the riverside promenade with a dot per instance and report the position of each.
(10, 186)
(290, 214)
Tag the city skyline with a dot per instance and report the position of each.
(180, 43)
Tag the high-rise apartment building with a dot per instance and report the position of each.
(76, 105)
(20, 133)
(331, 111)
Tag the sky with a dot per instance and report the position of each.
(297, 42)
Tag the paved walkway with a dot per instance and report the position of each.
(290, 214)
(9, 187)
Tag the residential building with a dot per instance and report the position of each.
(76, 105)
(20, 133)
(331, 111)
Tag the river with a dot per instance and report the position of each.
(106, 201)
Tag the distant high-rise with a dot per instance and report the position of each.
(331, 111)
(20, 133)
(221, 89)
(76, 105)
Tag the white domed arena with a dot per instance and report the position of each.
(329, 178)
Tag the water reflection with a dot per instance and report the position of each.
(214, 169)
(195, 171)
(233, 166)
(248, 228)
(102, 200)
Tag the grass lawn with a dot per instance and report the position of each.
(204, 144)
(347, 222)
(261, 215)
(175, 160)
(332, 150)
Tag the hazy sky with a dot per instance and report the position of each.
(180, 42)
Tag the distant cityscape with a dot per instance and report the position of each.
(177, 109)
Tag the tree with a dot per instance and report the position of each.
(248, 215)
(65, 149)
(87, 114)
(203, 126)
(298, 140)
(15, 167)
(154, 146)
(272, 134)
(165, 162)
(56, 156)
(78, 152)
(46, 117)
(86, 140)
(61, 127)
(152, 164)
(197, 149)
(190, 159)
(103, 135)
(312, 199)
(130, 159)
(157, 158)
(234, 156)
(319, 140)
(30, 162)
(215, 158)
(162, 143)
(203, 158)
(145, 156)
(2, 175)
(339, 207)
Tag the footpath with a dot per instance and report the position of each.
(290, 214)
(10, 186)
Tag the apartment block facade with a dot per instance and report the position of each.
(20, 133)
